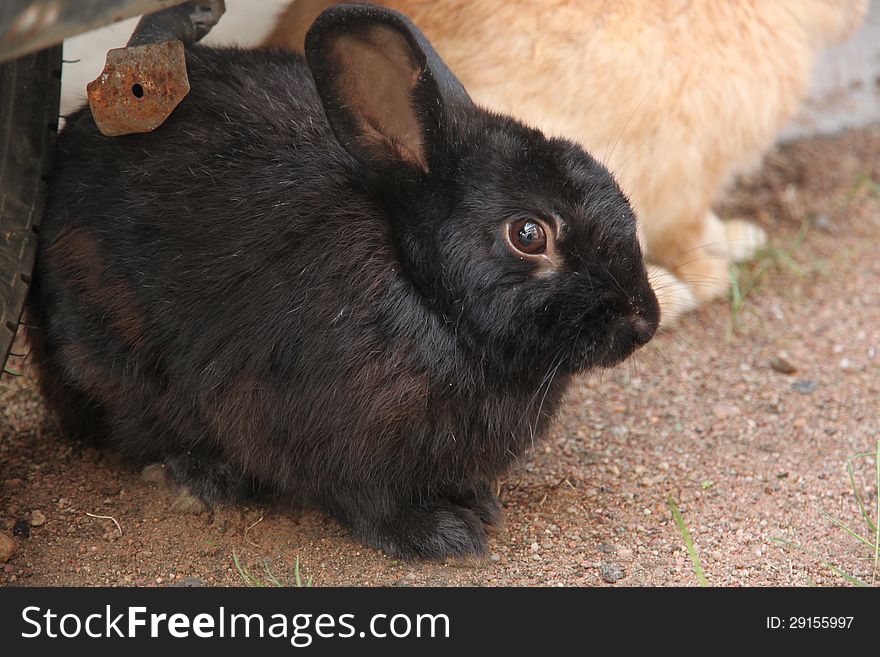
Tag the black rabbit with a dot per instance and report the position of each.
(336, 279)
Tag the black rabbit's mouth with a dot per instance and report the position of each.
(626, 335)
(620, 337)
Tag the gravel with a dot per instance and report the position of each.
(781, 365)
(610, 572)
(7, 548)
(805, 387)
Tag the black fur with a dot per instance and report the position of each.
(241, 297)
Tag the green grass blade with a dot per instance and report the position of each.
(855, 581)
(271, 578)
(688, 541)
(877, 527)
(784, 258)
(858, 496)
(249, 579)
(845, 528)
(297, 577)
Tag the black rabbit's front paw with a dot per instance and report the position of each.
(482, 501)
(440, 530)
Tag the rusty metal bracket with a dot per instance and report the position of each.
(142, 83)
(139, 88)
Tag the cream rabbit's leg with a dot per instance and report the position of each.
(678, 234)
(736, 239)
(675, 297)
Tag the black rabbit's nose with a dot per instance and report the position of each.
(644, 330)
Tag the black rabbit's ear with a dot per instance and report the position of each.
(385, 90)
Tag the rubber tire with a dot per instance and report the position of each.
(30, 89)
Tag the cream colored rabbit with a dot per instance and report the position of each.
(675, 96)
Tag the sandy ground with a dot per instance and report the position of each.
(751, 454)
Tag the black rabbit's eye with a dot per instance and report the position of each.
(528, 237)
